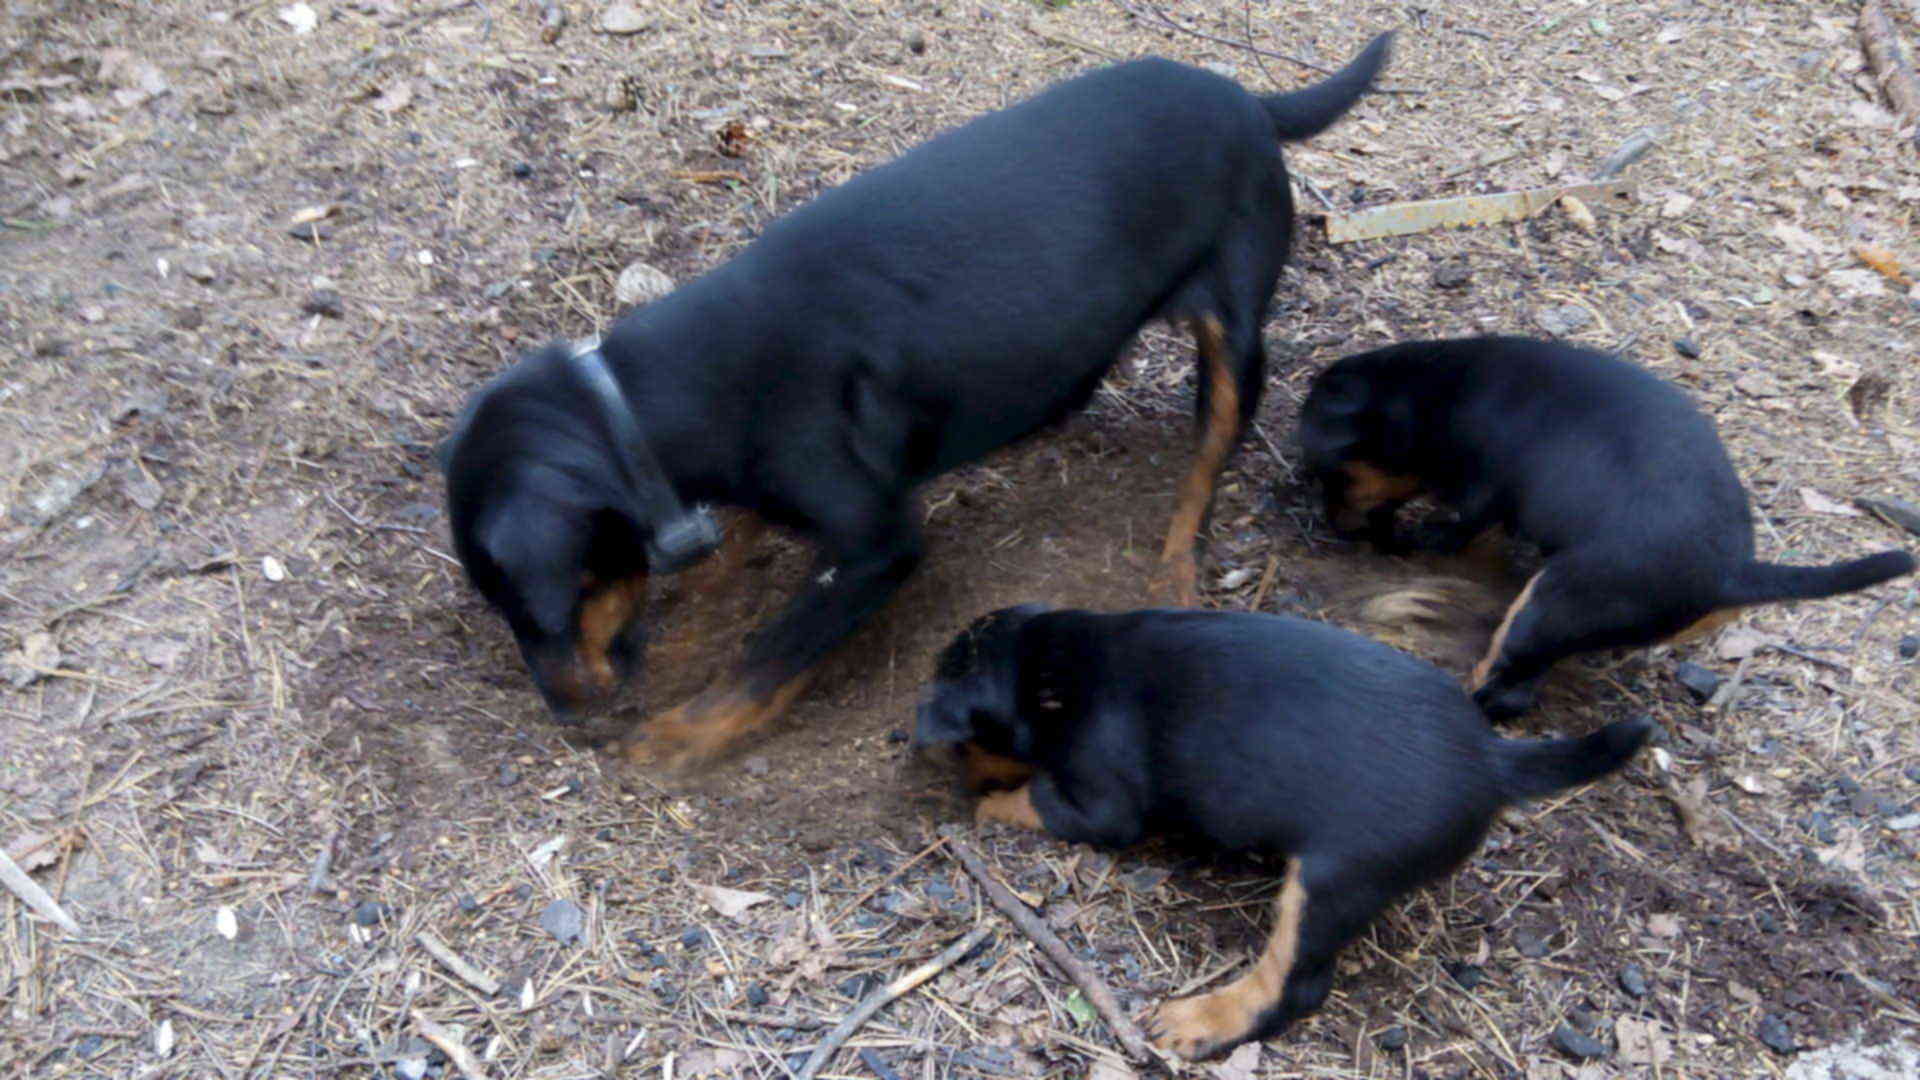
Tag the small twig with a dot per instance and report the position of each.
(848, 907)
(1790, 650)
(479, 980)
(323, 863)
(1131, 1039)
(1627, 153)
(1266, 582)
(1313, 189)
(31, 894)
(450, 1045)
(365, 524)
(741, 1016)
(879, 999)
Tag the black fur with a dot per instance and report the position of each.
(1616, 475)
(1251, 732)
(919, 316)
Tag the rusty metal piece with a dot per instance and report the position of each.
(1400, 219)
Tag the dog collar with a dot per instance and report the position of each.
(684, 536)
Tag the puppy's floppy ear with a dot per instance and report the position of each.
(940, 723)
(531, 546)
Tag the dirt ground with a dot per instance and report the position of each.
(260, 739)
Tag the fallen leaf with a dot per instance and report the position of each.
(1883, 260)
(1857, 282)
(309, 215)
(1663, 925)
(1738, 643)
(1849, 854)
(544, 854)
(38, 653)
(1752, 784)
(733, 903)
(33, 850)
(1578, 213)
(1080, 1009)
(1820, 504)
(1641, 1042)
(640, 284)
(1240, 1064)
(300, 17)
(395, 97)
(1797, 239)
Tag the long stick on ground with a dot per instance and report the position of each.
(878, 1000)
(1101, 998)
(31, 894)
(1881, 42)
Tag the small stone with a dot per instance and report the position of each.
(410, 1068)
(793, 900)
(693, 937)
(1687, 348)
(1904, 822)
(621, 17)
(917, 44)
(509, 775)
(1451, 276)
(1577, 1046)
(1529, 944)
(1698, 679)
(757, 765)
(371, 913)
(565, 921)
(311, 232)
(1468, 976)
(897, 735)
(89, 1046)
(198, 271)
(1909, 647)
(1394, 1038)
(1777, 1035)
(756, 994)
(469, 905)
(641, 284)
(1633, 979)
(1864, 804)
(522, 170)
(1563, 319)
(324, 302)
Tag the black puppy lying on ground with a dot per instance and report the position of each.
(930, 311)
(1613, 472)
(1368, 769)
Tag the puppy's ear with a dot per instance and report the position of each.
(533, 550)
(940, 724)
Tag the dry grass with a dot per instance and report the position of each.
(345, 727)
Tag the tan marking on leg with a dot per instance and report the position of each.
(608, 609)
(1711, 622)
(1179, 573)
(1198, 1027)
(700, 729)
(1483, 669)
(1010, 808)
(984, 770)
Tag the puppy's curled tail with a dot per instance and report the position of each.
(1761, 583)
(1307, 112)
(1531, 768)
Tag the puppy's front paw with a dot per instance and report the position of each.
(1199, 1027)
(1013, 807)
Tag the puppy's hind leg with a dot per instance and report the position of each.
(1316, 914)
(1230, 376)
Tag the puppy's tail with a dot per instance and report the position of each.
(1305, 113)
(1760, 583)
(1531, 768)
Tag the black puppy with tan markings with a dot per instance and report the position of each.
(928, 312)
(1368, 769)
(1612, 471)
